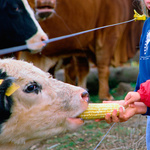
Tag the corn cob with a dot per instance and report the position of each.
(99, 110)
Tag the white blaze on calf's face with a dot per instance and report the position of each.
(35, 43)
(45, 112)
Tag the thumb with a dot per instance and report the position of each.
(128, 96)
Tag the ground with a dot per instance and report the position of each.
(129, 135)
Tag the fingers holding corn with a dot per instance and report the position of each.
(114, 117)
(127, 113)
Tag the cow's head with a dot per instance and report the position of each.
(40, 108)
(18, 25)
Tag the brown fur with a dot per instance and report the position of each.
(109, 46)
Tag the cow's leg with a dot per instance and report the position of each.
(82, 70)
(103, 74)
(77, 70)
(70, 71)
(103, 61)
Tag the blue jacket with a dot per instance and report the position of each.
(144, 60)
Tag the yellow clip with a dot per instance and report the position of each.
(11, 89)
(137, 16)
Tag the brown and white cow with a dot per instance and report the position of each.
(108, 46)
(40, 108)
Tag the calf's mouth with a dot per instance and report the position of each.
(76, 120)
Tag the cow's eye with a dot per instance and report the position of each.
(17, 9)
(32, 87)
(13, 9)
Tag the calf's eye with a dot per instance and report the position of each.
(32, 87)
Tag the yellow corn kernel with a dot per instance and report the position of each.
(99, 110)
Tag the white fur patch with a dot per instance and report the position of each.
(37, 38)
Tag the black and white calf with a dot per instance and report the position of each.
(18, 25)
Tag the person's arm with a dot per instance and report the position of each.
(144, 92)
(142, 95)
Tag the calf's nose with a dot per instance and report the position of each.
(85, 96)
(44, 38)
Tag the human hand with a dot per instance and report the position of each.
(114, 117)
(137, 108)
(132, 97)
(108, 116)
(123, 116)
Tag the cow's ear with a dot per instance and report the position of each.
(3, 75)
(5, 101)
(3, 4)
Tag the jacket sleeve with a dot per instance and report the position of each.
(144, 92)
(147, 112)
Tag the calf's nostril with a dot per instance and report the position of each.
(43, 38)
(85, 94)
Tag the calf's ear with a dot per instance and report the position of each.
(5, 101)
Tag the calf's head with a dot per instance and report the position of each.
(40, 108)
(18, 26)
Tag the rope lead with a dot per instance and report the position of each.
(23, 47)
(104, 137)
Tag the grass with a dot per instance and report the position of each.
(122, 136)
(95, 98)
